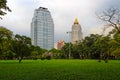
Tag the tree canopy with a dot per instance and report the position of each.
(3, 8)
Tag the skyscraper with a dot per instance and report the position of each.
(42, 29)
(76, 34)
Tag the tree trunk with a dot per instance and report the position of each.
(20, 59)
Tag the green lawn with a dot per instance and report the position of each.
(59, 70)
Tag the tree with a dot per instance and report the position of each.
(112, 17)
(38, 50)
(77, 51)
(66, 50)
(3, 6)
(5, 40)
(21, 46)
(56, 53)
(89, 47)
(34, 55)
(116, 53)
(9, 54)
(101, 47)
(114, 45)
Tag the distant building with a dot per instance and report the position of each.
(76, 34)
(60, 44)
(42, 29)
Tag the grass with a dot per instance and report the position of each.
(59, 70)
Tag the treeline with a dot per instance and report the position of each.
(17, 46)
(94, 46)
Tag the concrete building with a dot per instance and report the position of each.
(42, 29)
(60, 44)
(76, 33)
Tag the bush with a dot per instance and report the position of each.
(48, 57)
(34, 55)
(42, 58)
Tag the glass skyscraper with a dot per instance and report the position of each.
(42, 29)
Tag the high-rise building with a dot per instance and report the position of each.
(76, 34)
(42, 29)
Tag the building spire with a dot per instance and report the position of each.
(76, 21)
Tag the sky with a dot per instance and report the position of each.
(63, 13)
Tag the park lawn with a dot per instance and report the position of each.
(59, 70)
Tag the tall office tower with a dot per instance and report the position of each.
(42, 29)
(76, 34)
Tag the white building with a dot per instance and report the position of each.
(76, 34)
(42, 29)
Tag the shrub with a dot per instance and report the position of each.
(42, 57)
(48, 57)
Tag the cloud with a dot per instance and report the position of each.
(96, 30)
(63, 12)
(20, 18)
(102, 30)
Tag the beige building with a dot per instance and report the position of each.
(60, 44)
(76, 34)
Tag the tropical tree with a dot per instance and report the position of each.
(66, 50)
(5, 40)
(21, 46)
(112, 18)
(37, 50)
(114, 45)
(9, 54)
(116, 53)
(89, 47)
(78, 51)
(56, 53)
(3, 7)
(75, 51)
(34, 55)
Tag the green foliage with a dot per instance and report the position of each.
(34, 55)
(65, 50)
(21, 46)
(38, 49)
(43, 57)
(116, 53)
(117, 37)
(48, 57)
(91, 47)
(9, 54)
(114, 46)
(59, 70)
(56, 54)
(3, 6)
(94, 47)
(5, 40)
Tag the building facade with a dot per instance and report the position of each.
(42, 29)
(60, 44)
(76, 33)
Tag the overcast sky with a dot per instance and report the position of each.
(63, 12)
